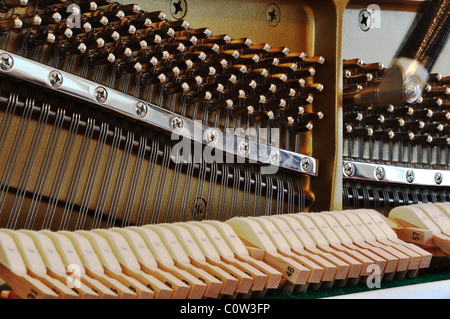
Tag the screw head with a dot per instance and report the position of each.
(365, 20)
(6, 62)
(409, 176)
(306, 164)
(273, 15)
(177, 123)
(178, 8)
(244, 147)
(211, 136)
(275, 157)
(101, 94)
(349, 169)
(55, 79)
(141, 109)
(438, 178)
(379, 173)
(412, 91)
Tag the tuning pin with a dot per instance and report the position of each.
(155, 16)
(403, 136)
(308, 117)
(268, 62)
(301, 128)
(285, 93)
(121, 52)
(6, 5)
(221, 105)
(151, 79)
(288, 68)
(352, 64)
(295, 83)
(429, 102)
(248, 59)
(301, 100)
(200, 33)
(275, 104)
(315, 60)
(234, 94)
(380, 109)
(443, 91)
(353, 117)
(108, 35)
(283, 121)
(222, 39)
(229, 55)
(172, 47)
(434, 78)
(279, 52)
(441, 141)
(312, 88)
(394, 123)
(196, 56)
(278, 78)
(445, 80)
(294, 111)
(374, 119)
(433, 128)
(416, 125)
(423, 114)
(263, 116)
(304, 72)
(129, 67)
(296, 57)
(104, 58)
(441, 116)
(260, 48)
(383, 135)
(13, 23)
(242, 43)
(359, 132)
(256, 74)
(359, 78)
(423, 139)
(241, 111)
(372, 67)
(207, 48)
(187, 41)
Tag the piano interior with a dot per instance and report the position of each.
(192, 149)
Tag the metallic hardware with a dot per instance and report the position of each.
(89, 91)
(55, 78)
(379, 173)
(177, 123)
(349, 169)
(100, 94)
(397, 174)
(178, 8)
(273, 15)
(141, 109)
(6, 62)
(409, 176)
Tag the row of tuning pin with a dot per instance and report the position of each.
(255, 80)
(425, 122)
